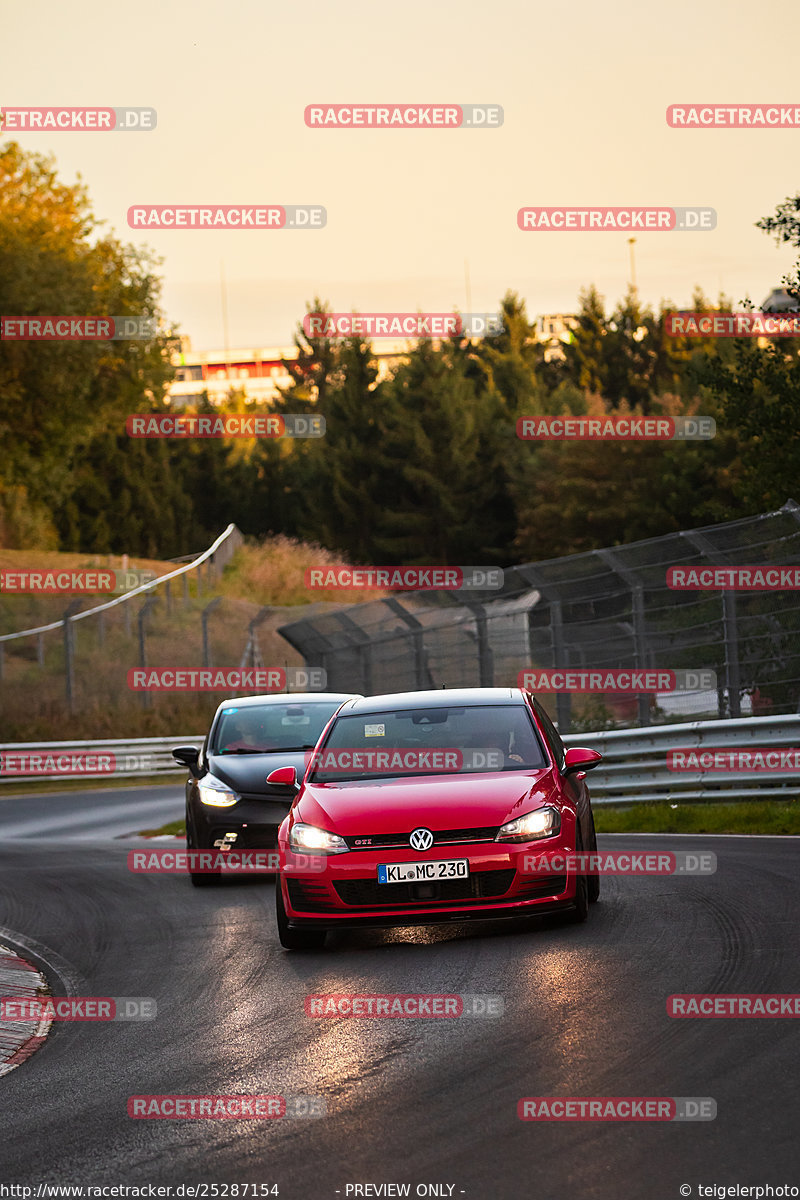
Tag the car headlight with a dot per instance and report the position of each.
(217, 794)
(541, 823)
(308, 839)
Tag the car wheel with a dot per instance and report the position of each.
(200, 878)
(594, 880)
(580, 911)
(295, 939)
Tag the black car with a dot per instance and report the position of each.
(229, 804)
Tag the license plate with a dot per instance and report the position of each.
(423, 872)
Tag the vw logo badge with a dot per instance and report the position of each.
(421, 839)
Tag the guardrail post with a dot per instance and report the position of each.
(40, 649)
(127, 608)
(101, 628)
(204, 619)
(199, 580)
(168, 595)
(186, 600)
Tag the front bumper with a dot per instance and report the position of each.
(254, 820)
(344, 890)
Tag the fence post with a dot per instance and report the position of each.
(204, 619)
(185, 578)
(199, 580)
(40, 649)
(422, 675)
(730, 631)
(168, 594)
(69, 652)
(147, 699)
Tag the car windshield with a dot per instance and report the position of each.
(433, 741)
(262, 729)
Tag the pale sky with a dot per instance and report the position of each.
(584, 88)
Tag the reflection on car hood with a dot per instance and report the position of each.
(248, 772)
(438, 802)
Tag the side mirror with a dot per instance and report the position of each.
(578, 758)
(283, 777)
(188, 756)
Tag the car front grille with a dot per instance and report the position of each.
(482, 886)
(441, 837)
(306, 895)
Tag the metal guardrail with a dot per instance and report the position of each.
(129, 759)
(145, 587)
(634, 769)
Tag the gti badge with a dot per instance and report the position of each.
(421, 839)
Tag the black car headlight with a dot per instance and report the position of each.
(541, 823)
(216, 793)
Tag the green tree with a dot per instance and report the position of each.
(56, 396)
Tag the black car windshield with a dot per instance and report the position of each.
(262, 729)
(433, 741)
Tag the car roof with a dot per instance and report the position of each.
(441, 698)
(287, 698)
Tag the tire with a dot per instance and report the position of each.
(294, 939)
(594, 880)
(578, 914)
(200, 879)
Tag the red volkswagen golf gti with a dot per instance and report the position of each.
(428, 807)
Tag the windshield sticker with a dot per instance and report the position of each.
(374, 731)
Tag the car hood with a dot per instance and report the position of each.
(436, 802)
(248, 772)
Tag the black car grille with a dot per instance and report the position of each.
(254, 837)
(441, 837)
(368, 893)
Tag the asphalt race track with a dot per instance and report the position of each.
(408, 1101)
